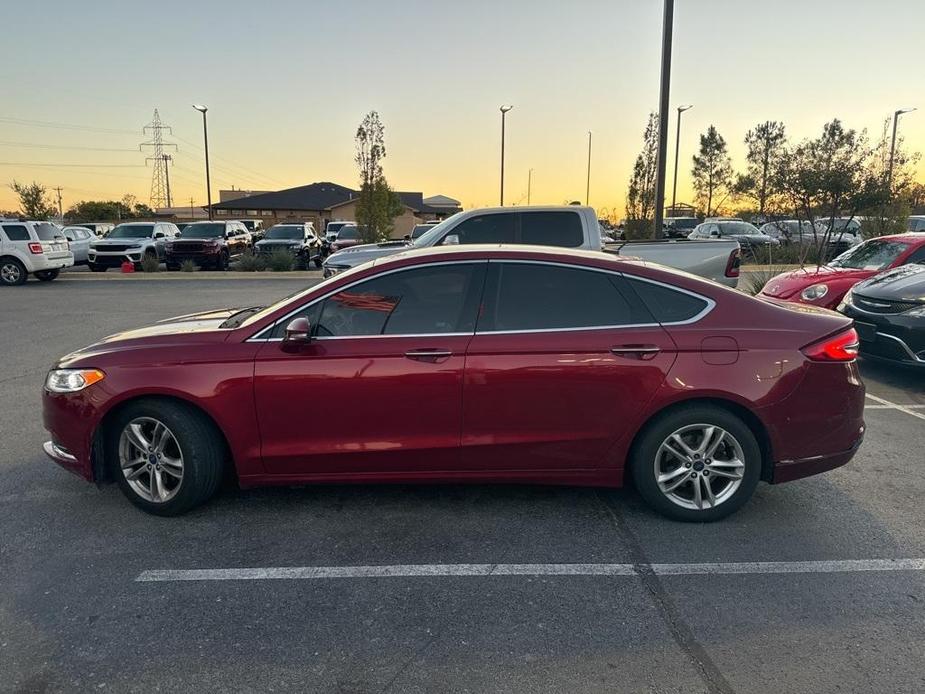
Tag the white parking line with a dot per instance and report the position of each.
(892, 405)
(463, 570)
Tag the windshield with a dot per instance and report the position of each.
(132, 231)
(48, 232)
(682, 222)
(285, 232)
(334, 227)
(431, 237)
(204, 230)
(249, 224)
(872, 255)
(348, 233)
(727, 228)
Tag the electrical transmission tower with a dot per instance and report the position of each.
(160, 178)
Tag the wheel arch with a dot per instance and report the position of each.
(101, 472)
(751, 420)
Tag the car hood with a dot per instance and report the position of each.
(278, 242)
(368, 251)
(905, 283)
(121, 241)
(193, 327)
(787, 284)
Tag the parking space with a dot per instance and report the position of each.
(492, 588)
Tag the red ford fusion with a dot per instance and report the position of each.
(471, 364)
(827, 286)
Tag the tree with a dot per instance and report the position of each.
(378, 205)
(899, 198)
(114, 210)
(640, 196)
(33, 200)
(764, 144)
(831, 176)
(712, 171)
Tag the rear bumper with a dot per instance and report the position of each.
(41, 262)
(789, 470)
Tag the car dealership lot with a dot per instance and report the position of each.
(485, 593)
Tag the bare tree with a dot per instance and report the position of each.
(377, 206)
(712, 171)
(640, 196)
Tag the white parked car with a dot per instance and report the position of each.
(79, 238)
(32, 248)
(917, 223)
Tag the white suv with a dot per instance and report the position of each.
(32, 248)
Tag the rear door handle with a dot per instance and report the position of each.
(428, 354)
(635, 351)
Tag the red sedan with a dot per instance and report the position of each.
(827, 286)
(466, 364)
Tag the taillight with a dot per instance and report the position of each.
(732, 265)
(36, 248)
(840, 347)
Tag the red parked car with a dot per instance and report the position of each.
(471, 363)
(827, 286)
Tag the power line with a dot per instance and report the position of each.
(233, 164)
(34, 145)
(91, 166)
(65, 126)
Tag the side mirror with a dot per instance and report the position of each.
(451, 240)
(299, 331)
(159, 235)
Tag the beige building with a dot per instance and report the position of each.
(322, 202)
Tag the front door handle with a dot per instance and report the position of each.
(643, 352)
(428, 354)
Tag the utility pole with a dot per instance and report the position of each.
(191, 214)
(529, 183)
(889, 173)
(504, 110)
(60, 207)
(205, 136)
(588, 184)
(159, 186)
(664, 93)
(167, 158)
(677, 148)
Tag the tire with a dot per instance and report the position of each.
(318, 262)
(172, 267)
(12, 272)
(222, 262)
(47, 275)
(690, 501)
(97, 268)
(193, 442)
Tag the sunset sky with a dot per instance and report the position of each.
(287, 83)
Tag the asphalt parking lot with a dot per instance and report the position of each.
(491, 588)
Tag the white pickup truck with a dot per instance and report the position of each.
(570, 226)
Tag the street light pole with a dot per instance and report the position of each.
(529, 184)
(677, 148)
(896, 115)
(504, 110)
(205, 137)
(667, 23)
(588, 184)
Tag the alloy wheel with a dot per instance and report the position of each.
(150, 459)
(699, 466)
(10, 273)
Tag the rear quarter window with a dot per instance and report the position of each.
(552, 229)
(666, 304)
(16, 232)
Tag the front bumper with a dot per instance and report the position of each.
(71, 421)
(114, 259)
(894, 337)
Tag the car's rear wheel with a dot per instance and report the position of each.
(12, 272)
(47, 275)
(167, 457)
(697, 463)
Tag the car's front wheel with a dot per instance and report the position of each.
(12, 272)
(166, 457)
(697, 463)
(97, 268)
(47, 275)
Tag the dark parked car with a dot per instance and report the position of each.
(471, 363)
(889, 315)
(748, 235)
(298, 239)
(208, 244)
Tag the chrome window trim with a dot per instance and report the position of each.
(256, 337)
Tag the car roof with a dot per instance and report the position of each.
(504, 252)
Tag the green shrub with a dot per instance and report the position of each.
(250, 262)
(187, 266)
(280, 261)
(150, 263)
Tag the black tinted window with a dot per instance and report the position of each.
(413, 302)
(551, 229)
(16, 232)
(668, 305)
(532, 296)
(489, 228)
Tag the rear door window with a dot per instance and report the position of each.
(538, 296)
(551, 229)
(486, 228)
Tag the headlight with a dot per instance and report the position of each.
(334, 269)
(816, 291)
(916, 312)
(72, 380)
(846, 301)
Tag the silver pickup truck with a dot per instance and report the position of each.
(570, 226)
